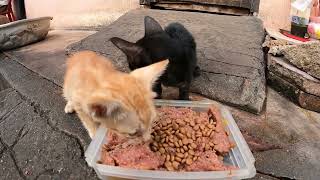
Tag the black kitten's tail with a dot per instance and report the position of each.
(196, 72)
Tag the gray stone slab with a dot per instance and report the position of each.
(303, 99)
(47, 58)
(293, 75)
(45, 94)
(293, 129)
(43, 150)
(10, 101)
(228, 48)
(305, 56)
(37, 148)
(3, 84)
(44, 142)
(7, 167)
(282, 162)
(12, 124)
(263, 177)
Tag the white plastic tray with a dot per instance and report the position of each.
(240, 156)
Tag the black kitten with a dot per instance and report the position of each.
(174, 43)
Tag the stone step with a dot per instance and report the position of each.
(229, 51)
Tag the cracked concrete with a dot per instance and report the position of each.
(38, 141)
(35, 149)
(289, 136)
(41, 92)
(7, 170)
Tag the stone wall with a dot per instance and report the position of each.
(79, 13)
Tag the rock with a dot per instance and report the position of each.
(294, 129)
(293, 75)
(229, 50)
(296, 73)
(305, 56)
(305, 100)
(269, 42)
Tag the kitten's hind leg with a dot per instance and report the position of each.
(158, 89)
(69, 108)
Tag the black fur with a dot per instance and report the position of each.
(174, 43)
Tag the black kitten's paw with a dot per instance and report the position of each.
(185, 98)
(196, 71)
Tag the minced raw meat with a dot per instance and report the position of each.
(182, 140)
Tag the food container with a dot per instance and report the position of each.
(240, 156)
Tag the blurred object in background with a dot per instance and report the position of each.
(300, 14)
(275, 14)
(79, 14)
(314, 25)
(315, 9)
(6, 9)
(4, 19)
(19, 9)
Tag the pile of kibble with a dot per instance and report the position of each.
(181, 136)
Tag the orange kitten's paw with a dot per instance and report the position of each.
(146, 137)
(69, 108)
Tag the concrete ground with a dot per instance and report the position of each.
(38, 141)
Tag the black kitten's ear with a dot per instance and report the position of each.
(126, 47)
(151, 26)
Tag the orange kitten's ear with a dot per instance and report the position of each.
(151, 73)
(103, 109)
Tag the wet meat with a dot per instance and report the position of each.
(182, 140)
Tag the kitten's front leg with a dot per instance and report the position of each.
(184, 91)
(158, 89)
(69, 108)
(88, 123)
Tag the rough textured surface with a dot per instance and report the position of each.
(293, 75)
(47, 57)
(294, 83)
(228, 48)
(282, 128)
(305, 56)
(263, 177)
(295, 130)
(305, 100)
(37, 140)
(291, 133)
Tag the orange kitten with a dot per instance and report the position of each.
(101, 95)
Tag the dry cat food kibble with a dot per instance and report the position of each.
(182, 140)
